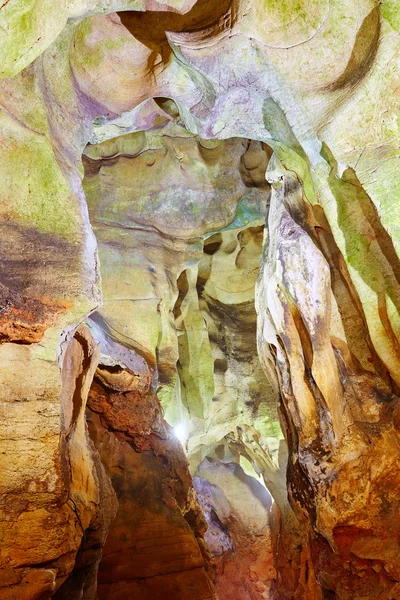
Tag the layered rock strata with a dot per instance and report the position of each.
(338, 400)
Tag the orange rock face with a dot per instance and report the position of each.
(339, 413)
(24, 319)
(155, 548)
(56, 522)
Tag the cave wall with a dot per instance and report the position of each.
(160, 90)
(155, 547)
(182, 299)
(337, 398)
(178, 294)
(237, 509)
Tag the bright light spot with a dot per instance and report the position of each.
(181, 432)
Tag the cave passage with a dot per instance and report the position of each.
(180, 302)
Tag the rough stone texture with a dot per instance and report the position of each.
(155, 546)
(337, 400)
(183, 297)
(200, 284)
(54, 491)
(239, 538)
(312, 83)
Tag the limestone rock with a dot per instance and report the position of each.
(56, 498)
(337, 396)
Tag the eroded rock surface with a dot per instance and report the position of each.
(155, 546)
(199, 283)
(156, 241)
(237, 508)
(338, 402)
(58, 502)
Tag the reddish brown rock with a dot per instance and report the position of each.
(318, 80)
(155, 548)
(292, 560)
(24, 319)
(56, 524)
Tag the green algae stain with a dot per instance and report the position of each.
(246, 214)
(88, 54)
(390, 11)
(291, 161)
(37, 191)
(369, 253)
(115, 44)
(289, 22)
(285, 8)
(83, 57)
(286, 146)
(269, 428)
(28, 27)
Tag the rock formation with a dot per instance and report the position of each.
(239, 539)
(199, 300)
